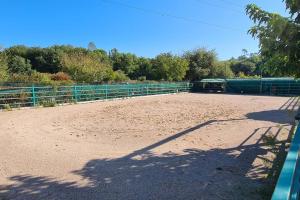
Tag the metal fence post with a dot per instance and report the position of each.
(128, 91)
(260, 87)
(106, 91)
(289, 87)
(147, 92)
(75, 93)
(33, 95)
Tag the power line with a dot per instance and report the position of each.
(233, 3)
(207, 2)
(163, 14)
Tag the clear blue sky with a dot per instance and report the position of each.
(143, 27)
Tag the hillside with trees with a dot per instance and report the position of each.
(68, 64)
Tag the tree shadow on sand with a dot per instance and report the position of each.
(284, 115)
(193, 174)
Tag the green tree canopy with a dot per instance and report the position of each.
(201, 61)
(84, 68)
(279, 37)
(3, 67)
(221, 70)
(126, 62)
(247, 64)
(169, 67)
(68, 63)
(19, 65)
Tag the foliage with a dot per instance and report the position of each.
(126, 62)
(42, 59)
(169, 67)
(3, 67)
(221, 70)
(101, 56)
(34, 77)
(120, 76)
(145, 69)
(60, 76)
(37, 78)
(201, 61)
(67, 64)
(7, 107)
(83, 68)
(142, 78)
(244, 76)
(248, 65)
(19, 65)
(279, 37)
(48, 103)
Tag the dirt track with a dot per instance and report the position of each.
(184, 146)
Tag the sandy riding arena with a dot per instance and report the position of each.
(183, 146)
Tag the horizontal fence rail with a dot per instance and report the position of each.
(264, 87)
(288, 184)
(280, 87)
(14, 97)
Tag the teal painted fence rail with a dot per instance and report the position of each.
(264, 86)
(288, 184)
(12, 97)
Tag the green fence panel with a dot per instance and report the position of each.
(12, 96)
(288, 184)
(264, 86)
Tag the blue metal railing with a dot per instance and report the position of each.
(288, 184)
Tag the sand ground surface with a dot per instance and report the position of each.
(182, 146)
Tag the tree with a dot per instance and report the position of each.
(245, 52)
(101, 56)
(126, 62)
(19, 65)
(47, 60)
(201, 61)
(145, 69)
(248, 65)
(84, 68)
(18, 50)
(119, 76)
(279, 37)
(169, 67)
(221, 70)
(3, 67)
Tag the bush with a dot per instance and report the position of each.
(142, 78)
(18, 64)
(242, 75)
(34, 77)
(7, 107)
(3, 67)
(85, 68)
(120, 76)
(60, 76)
(48, 103)
(38, 78)
(221, 70)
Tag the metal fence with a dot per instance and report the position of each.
(264, 86)
(288, 184)
(14, 97)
